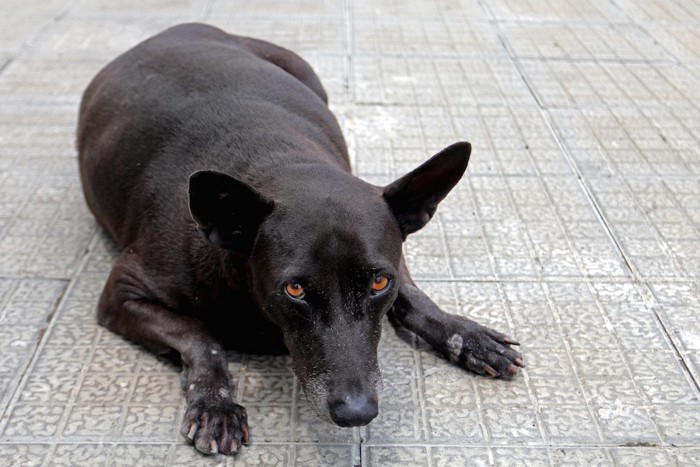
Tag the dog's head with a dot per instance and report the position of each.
(324, 254)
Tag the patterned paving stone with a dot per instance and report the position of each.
(572, 423)
(79, 454)
(459, 456)
(640, 456)
(394, 455)
(626, 424)
(25, 454)
(687, 456)
(581, 456)
(521, 456)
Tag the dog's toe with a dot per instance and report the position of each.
(216, 427)
(483, 350)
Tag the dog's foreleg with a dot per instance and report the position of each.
(462, 341)
(213, 421)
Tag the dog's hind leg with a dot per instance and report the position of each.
(462, 341)
(129, 307)
(289, 62)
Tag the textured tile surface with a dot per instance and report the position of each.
(577, 230)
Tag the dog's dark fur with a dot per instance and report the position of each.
(214, 162)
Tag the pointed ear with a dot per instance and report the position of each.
(227, 211)
(414, 197)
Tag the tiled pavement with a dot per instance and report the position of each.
(577, 230)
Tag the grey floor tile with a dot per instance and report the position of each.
(138, 454)
(448, 456)
(687, 457)
(25, 454)
(80, 454)
(640, 456)
(679, 424)
(573, 424)
(525, 456)
(626, 424)
(394, 455)
(454, 425)
(581, 456)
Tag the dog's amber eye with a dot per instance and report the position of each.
(295, 290)
(380, 283)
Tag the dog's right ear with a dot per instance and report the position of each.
(227, 211)
(414, 197)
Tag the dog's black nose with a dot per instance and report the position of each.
(353, 410)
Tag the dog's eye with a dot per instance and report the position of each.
(380, 283)
(295, 290)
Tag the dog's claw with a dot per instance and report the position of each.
(510, 341)
(245, 435)
(234, 446)
(193, 430)
(213, 447)
(519, 362)
(512, 369)
(490, 371)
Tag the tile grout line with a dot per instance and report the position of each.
(415, 339)
(294, 415)
(521, 106)
(349, 98)
(6, 64)
(205, 10)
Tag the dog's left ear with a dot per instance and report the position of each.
(228, 211)
(414, 197)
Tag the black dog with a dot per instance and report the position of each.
(277, 246)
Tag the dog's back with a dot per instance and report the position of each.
(212, 100)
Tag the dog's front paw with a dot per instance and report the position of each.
(482, 350)
(214, 423)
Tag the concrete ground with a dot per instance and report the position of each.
(576, 231)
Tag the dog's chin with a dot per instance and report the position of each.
(317, 395)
